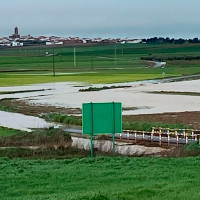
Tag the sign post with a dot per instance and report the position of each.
(101, 118)
(91, 135)
(113, 134)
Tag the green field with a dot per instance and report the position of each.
(13, 80)
(35, 176)
(98, 64)
(100, 178)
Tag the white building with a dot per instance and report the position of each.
(16, 44)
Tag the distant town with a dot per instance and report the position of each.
(15, 40)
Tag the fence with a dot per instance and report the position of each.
(162, 135)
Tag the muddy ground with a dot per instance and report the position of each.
(188, 118)
(20, 106)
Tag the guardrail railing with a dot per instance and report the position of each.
(162, 135)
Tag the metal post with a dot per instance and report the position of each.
(91, 136)
(152, 132)
(60, 56)
(135, 137)
(168, 137)
(176, 133)
(186, 138)
(53, 64)
(113, 135)
(115, 54)
(192, 134)
(160, 136)
(143, 135)
(184, 133)
(74, 57)
(92, 62)
(128, 135)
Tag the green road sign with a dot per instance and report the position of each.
(101, 118)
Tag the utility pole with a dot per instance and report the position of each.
(92, 62)
(53, 64)
(60, 56)
(74, 57)
(115, 54)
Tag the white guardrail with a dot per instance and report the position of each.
(162, 135)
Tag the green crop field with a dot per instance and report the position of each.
(100, 178)
(97, 64)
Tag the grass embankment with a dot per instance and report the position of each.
(40, 144)
(46, 137)
(100, 178)
(138, 125)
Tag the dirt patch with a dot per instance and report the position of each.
(90, 89)
(23, 107)
(176, 93)
(188, 118)
(22, 91)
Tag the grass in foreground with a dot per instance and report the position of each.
(100, 178)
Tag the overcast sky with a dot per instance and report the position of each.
(101, 18)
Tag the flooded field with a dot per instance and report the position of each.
(21, 122)
(144, 97)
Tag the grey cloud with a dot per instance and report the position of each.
(114, 18)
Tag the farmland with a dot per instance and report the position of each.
(69, 173)
(96, 64)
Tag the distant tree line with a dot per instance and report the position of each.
(167, 40)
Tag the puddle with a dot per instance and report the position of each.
(22, 122)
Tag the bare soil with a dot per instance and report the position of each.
(23, 107)
(188, 118)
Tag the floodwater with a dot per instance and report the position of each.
(22, 122)
(137, 96)
(120, 148)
